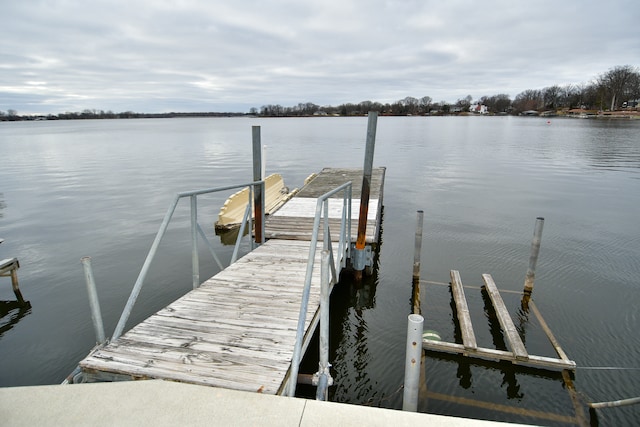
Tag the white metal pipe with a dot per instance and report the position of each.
(323, 371)
(195, 262)
(412, 363)
(96, 314)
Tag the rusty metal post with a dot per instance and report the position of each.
(533, 259)
(359, 252)
(258, 194)
(416, 263)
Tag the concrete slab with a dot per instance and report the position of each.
(164, 403)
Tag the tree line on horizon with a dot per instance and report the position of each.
(608, 91)
(611, 90)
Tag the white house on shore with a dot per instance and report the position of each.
(479, 109)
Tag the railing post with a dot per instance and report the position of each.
(533, 259)
(96, 314)
(143, 272)
(412, 363)
(195, 262)
(323, 375)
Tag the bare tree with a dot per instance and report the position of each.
(619, 83)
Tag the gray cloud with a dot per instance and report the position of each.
(157, 56)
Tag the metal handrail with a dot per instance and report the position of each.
(195, 230)
(322, 212)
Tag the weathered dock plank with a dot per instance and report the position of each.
(497, 355)
(509, 329)
(462, 309)
(237, 330)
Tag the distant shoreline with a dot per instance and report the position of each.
(573, 113)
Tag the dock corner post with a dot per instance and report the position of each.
(416, 263)
(96, 314)
(258, 195)
(412, 365)
(533, 259)
(359, 256)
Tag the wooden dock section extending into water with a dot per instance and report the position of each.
(295, 219)
(469, 347)
(238, 329)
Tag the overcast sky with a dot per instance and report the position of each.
(212, 55)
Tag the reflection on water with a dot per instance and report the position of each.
(11, 312)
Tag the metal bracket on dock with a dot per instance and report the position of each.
(361, 258)
(315, 379)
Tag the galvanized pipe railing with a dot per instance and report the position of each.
(322, 212)
(135, 292)
(323, 377)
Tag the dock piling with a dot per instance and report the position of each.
(96, 314)
(258, 194)
(359, 257)
(416, 262)
(412, 364)
(533, 259)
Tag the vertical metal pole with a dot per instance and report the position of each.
(412, 363)
(96, 314)
(418, 246)
(416, 262)
(258, 195)
(195, 264)
(323, 371)
(533, 259)
(364, 194)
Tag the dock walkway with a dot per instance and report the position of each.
(238, 329)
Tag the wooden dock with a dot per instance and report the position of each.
(295, 219)
(469, 347)
(238, 329)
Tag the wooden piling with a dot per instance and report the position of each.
(533, 259)
(9, 268)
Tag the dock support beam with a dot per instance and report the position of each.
(359, 257)
(533, 259)
(412, 365)
(9, 268)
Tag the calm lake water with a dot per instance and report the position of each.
(100, 188)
